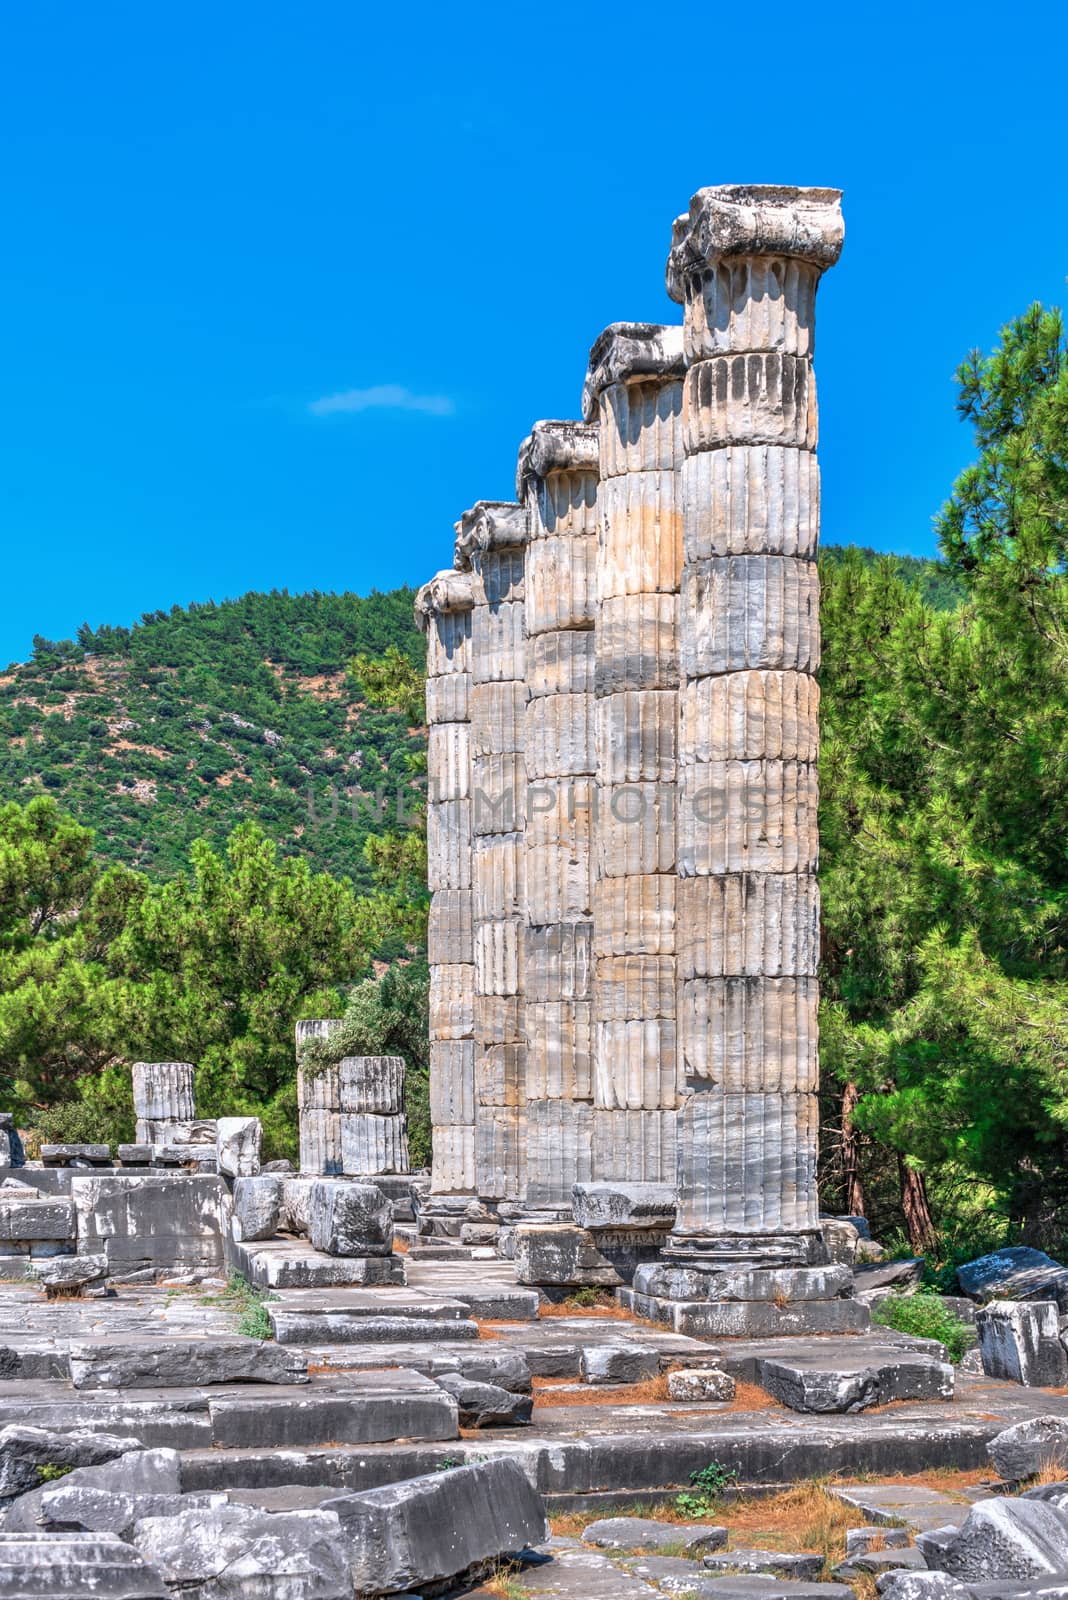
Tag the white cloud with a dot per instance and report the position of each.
(382, 397)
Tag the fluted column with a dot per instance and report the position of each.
(557, 483)
(443, 610)
(634, 389)
(491, 541)
(745, 263)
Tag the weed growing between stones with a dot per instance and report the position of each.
(504, 1582)
(708, 1483)
(925, 1317)
(49, 1471)
(249, 1304)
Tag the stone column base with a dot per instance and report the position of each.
(744, 1301)
(767, 1250)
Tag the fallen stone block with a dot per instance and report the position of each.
(70, 1508)
(365, 1408)
(294, 1327)
(497, 1303)
(486, 1405)
(841, 1239)
(55, 1566)
(69, 1274)
(612, 1363)
(257, 1211)
(923, 1586)
(278, 1264)
(1020, 1340)
(874, 1562)
(350, 1219)
(557, 1254)
(58, 1155)
(700, 1383)
(22, 1217)
(134, 1155)
(1017, 1273)
(296, 1204)
(818, 1384)
(425, 1530)
(143, 1363)
(766, 1563)
(623, 1205)
(861, 1540)
(643, 1533)
(1020, 1451)
(1007, 1539)
(476, 1233)
(889, 1275)
(178, 1422)
(136, 1476)
(24, 1450)
(33, 1358)
(508, 1369)
(234, 1552)
(670, 1578)
(237, 1146)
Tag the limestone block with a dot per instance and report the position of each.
(296, 1203)
(450, 932)
(700, 1383)
(500, 1155)
(641, 428)
(350, 1219)
(453, 1170)
(564, 504)
(452, 1081)
(448, 644)
(1016, 1273)
(194, 1136)
(559, 1050)
(634, 1146)
(498, 1019)
(643, 1533)
(750, 500)
(237, 1142)
(561, 584)
(745, 612)
(747, 1162)
(559, 883)
(257, 1212)
(371, 1144)
(619, 1363)
(635, 1065)
(497, 576)
(149, 1362)
(236, 1549)
(747, 816)
(757, 302)
(320, 1141)
(374, 1083)
(636, 833)
(498, 794)
(637, 735)
(319, 1087)
(500, 1074)
(559, 740)
(452, 1008)
(150, 1219)
(498, 876)
(750, 1033)
(748, 925)
(69, 1273)
(560, 1254)
(640, 550)
(499, 643)
(449, 761)
(746, 716)
(485, 1405)
(561, 663)
(634, 915)
(558, 1151)
(557, 962)
(759, 398)
(448, 699)
(634, 988)
(623, 1205)
(1009, 1539)
(163, 1090)
(1023, 1450)
(497, 717)
(637, 643)
(36, 1217)
(1020, 1340)
(448, 844)
(66, 1565)
(497, 956)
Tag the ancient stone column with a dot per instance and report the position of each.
(634, 390)
(444, 611)
(163, 1098)
(557, 483)
(745, 263)
(491, 541)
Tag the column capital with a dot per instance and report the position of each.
(489, 525)
(735, 220)
(446, 591)
(631, 351)
(555, 446)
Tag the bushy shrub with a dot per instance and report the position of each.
(101, 1113)
(926, 1316)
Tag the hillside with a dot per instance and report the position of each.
(203, 717)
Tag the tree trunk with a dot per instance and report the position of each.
(918, 1219)
(854, 1185)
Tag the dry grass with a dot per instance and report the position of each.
(603, 1309)
(504, 1581)
(751, 1397)
(401, 1247)
(804, 1517)
(1050, 1471)
(549, 1392)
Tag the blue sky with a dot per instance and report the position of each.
(281, 287)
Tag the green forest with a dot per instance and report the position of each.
(200, 841)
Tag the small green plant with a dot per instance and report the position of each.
(708, 1483)
(447, 1463)
(584, 1298)
(248, 1302)
(49, 1471)
(925, 1316)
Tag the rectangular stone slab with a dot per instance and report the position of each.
(55, 1565)
(296, 1328)
(371, 1408)
(181, 1363)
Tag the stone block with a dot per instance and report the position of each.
(24, 1449)
(150, 1219)
(558, 1151)
(237, 1141)
(1020, 1340)
(750, 500)
(1021, 1451)
(636, 1064)
(1002, 1539)
(61, 1155)
(642, 1533)
(619, 1363)
(750, 1033)
(486, 1405)
(561, 663)
(820, 1384)
(70, 1273)
(69, 1566)
(452, 1081)
(371, 1144)
(635, 1146)
(1016, 1273)
(748, 1319)
(236, 1551)
(801, 1568)
(637, 643)
(783, 1285)
(163, 1090)
(257, 1211)
(451, 1007)
(156, 1362)
(36, 1217)
(296, 1201)
(102, 1498)
(426, 1530)
(560, 1255)
(559, 739)
(350, 1219)
(500, 1150)
(700, 1383)
(623, 1205)
(748, 925)
(636, 829)
(320, 1142)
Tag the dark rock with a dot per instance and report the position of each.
(1007, 1539)
(1018, 1452)
(349, 1219)
(486, 1405)
(1017, 1273)
(1020, 1340)
(25, 1449)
